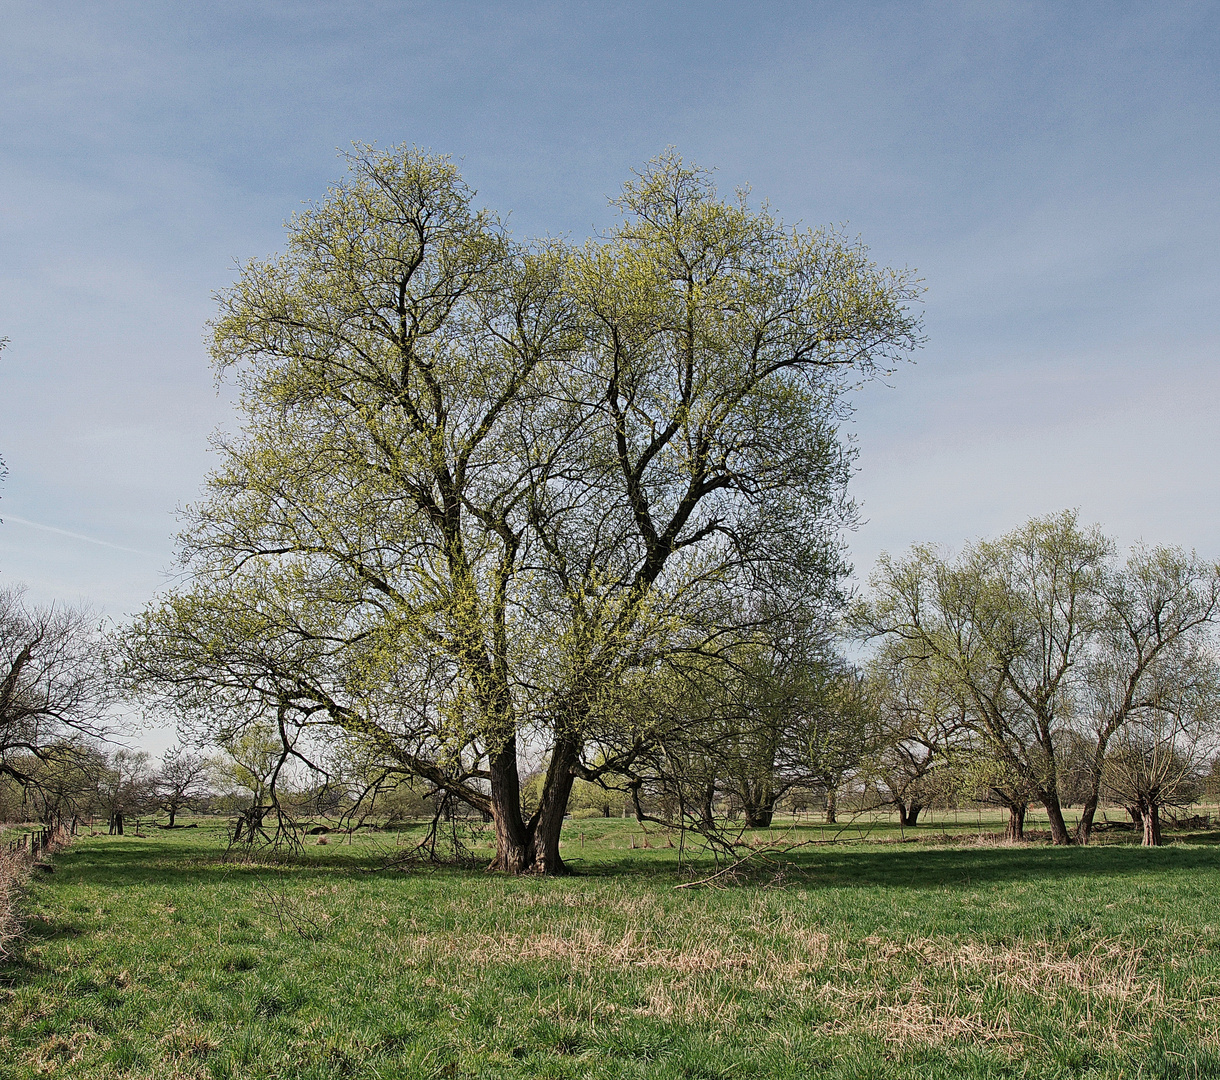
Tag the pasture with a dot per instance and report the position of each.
(932, 958)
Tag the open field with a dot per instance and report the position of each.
(151, 957)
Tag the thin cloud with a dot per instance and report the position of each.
(78, 536)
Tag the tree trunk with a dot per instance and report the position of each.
(172, 813)
(831, 805)
(1054, 812)
(1084, 830)
(543, 855)
(706, 814)
(1152, 826)
(1136, 815)
(511, 837)
(759, 816)
(533, 847)
(757, 804)
(1016, 824)
(909, 816)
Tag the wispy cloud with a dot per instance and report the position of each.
(77, 536)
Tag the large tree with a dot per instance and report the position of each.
(486, 491)
(181, 782)
(1158, 756)
(916, 725)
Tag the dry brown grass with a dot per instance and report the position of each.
(14, 873)
(923, 991)
(14, 870)
(918, 991)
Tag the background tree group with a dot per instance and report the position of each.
(1039, 663)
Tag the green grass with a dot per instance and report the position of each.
(151, 957)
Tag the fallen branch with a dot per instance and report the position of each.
(763, 853)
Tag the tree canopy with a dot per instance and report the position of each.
(489, 496)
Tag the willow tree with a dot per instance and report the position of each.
(1004, 628)
(1155, 646)
(486, 491)
(1046, 641)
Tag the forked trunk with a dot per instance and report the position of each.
(530, 847)
(760, 816)
(758, 805)
(909, 815)
(1152, 826)
(1015, 831)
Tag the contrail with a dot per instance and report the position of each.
(77, 536)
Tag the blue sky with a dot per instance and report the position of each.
(1052, 170)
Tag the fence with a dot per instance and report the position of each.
(37, 842)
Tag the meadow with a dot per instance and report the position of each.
(885, 955)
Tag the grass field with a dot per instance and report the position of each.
(152, 957)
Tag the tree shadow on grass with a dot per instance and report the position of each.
(140, 861)
(191, 864)
(927, 867)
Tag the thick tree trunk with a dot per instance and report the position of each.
(1136, 815)
(533, 847)
(1054, 814)
(1015, 831)
(172, 813)
(757, 804)
(512, 840)
(832, 802)
(760, 815)
(1152, 826)
(909, 815)
(543, 855)
(1084, 829)
(547, 825)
